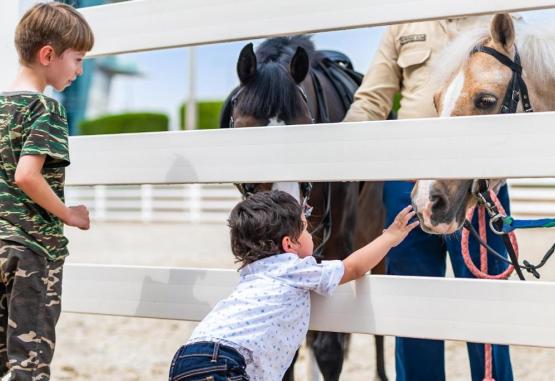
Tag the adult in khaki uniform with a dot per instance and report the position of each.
(402, 64)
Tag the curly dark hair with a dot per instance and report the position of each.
(259, 223)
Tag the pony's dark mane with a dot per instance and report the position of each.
(273, 92)
(281, 49)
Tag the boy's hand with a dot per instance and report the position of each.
(400, 228)
(78, 216)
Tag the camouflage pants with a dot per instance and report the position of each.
(30, 293)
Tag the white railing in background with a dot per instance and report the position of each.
(532, 197)
(192, 203)
(211, 203)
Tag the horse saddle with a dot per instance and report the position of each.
(338, 69)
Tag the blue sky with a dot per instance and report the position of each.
(164, 84)
(165, 81)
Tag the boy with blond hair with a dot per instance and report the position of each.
(51, 40)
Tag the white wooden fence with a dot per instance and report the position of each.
(191, 203)
(418, 307)
(510, 312)
(532, 198)
(211, 203)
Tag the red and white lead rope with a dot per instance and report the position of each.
(482, 273)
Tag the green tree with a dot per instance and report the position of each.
(208, 115)
(125, 123)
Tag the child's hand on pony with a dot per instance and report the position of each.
(400, 227)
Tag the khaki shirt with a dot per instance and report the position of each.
(402, 64)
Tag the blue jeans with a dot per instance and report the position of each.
(208, 361)
(424, 254)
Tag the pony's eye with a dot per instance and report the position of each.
(485, 101)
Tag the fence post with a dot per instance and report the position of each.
(100, 202)
(146, 202)
(195, 200)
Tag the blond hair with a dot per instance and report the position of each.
(55, 24)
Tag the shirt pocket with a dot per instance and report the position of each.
(414, 62)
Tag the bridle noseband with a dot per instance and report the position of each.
(517, 87)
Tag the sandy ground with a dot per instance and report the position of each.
(117, 348)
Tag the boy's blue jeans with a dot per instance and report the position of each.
(208, 361)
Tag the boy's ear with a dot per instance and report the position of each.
(45, 55)
(286, 243)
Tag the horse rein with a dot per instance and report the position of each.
(517, 87)
(492, 207)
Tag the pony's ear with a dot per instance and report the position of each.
(502, 31)
(299, 65)
(246, 65)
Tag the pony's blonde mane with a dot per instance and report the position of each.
(535, 43)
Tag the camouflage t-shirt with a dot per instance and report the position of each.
(32, 124)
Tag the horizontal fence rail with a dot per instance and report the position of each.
(431, 308)
(155, 24)
(498, 146)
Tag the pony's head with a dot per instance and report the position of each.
(270, 93)
(479, 84)
(475, 75)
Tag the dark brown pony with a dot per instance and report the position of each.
(288, 82)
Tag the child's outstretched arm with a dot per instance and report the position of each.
(361, 261)
(28, 177)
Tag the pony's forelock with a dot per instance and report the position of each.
(535, 43)
(273, 92)
(450, 60)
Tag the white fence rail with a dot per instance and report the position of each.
(448, 148)
(462, 147)
(146, 25)
(404, 306)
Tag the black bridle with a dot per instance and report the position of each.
(516, 91)
(517, 87)
(325, 224)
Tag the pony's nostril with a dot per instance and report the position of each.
(438, 202)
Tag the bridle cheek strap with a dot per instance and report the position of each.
(517, 87)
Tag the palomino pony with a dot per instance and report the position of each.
(288, 82)
(510, 68)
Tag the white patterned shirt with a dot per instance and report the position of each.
(266, 317)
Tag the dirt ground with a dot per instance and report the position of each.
(92, 347)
